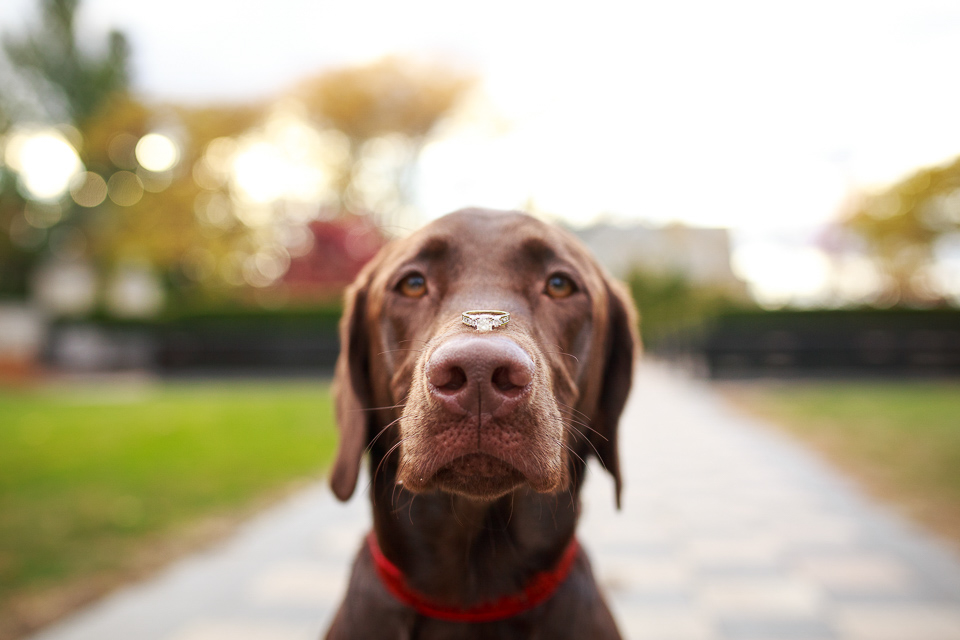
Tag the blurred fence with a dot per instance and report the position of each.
(217, 343)
(891, 342)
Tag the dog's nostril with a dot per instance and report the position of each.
(501, 379)
(456, 378)
(508, 382)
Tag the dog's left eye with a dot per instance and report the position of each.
(559, 286)
(413, 286)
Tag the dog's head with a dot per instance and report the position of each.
(481, 413)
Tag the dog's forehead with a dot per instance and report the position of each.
(483, 235)
(484, 220)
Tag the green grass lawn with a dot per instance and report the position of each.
(901, 439)
(93, 475)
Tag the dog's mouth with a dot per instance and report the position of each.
(479, 475)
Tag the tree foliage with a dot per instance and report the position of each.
(193, 223)
(394, 99)
(900, 226)
(393, 95)
(162, 227)
(50, 78)
(51, 61)
(672, 307)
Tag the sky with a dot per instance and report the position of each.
(758, 116)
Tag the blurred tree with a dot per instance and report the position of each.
(163, 227)
(194, 223)
(901, 225)
(674, 308)
(62, 74)
(51, 79)
(388, 108)
(47, 77)
(4, 118)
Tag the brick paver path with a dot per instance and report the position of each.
(728, 532)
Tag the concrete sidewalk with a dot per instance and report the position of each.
(728, 532)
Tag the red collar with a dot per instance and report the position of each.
(538, 590)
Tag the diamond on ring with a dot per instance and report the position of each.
(484, 320)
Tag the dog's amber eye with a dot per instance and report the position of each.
(413, 286)
(560, 286)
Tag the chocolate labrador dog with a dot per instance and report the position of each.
(484, 359)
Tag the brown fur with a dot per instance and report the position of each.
(470, 505)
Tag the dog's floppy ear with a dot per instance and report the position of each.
(351, 391)
(620, 352)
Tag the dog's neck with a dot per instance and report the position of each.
(463, 551)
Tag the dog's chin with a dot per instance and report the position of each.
(478, 476)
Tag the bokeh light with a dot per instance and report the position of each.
(780, 275)
(266, 266)
(297, 240)
(65, 287)
(212, 171)
(198, 264)
(260, 172)
(213, 209)
(42, 215)
(134, 291)
(45, 162)
(155, 182)
(156, 152)
(25, 235)
(68, 243)
(125, 188)
(122, 151)
(88, 189)
(286, 159)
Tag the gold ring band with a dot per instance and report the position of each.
(484, 320)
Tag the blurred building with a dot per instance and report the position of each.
(339, 248)
(22, 329)
(701, 255)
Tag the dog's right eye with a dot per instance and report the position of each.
(559, 286)
(413, 285)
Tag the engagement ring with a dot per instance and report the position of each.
(485, 320)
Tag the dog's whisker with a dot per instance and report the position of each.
(582, 424)
(568, 448)
(587, 440)
(587, 427)
(573, 482)
(392, 406)
(398, 490)
(453, 510)
(397, 486)
(373, 440)
(400, 498)
(567, 412)
(395, 350)
(564, 353)
(413, 340)
(388, 453)
(393, 448)
(561, 352)
(410, 508)
(574, 409)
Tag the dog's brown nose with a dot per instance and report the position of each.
(472, 373)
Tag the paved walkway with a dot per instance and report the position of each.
(728, 532)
